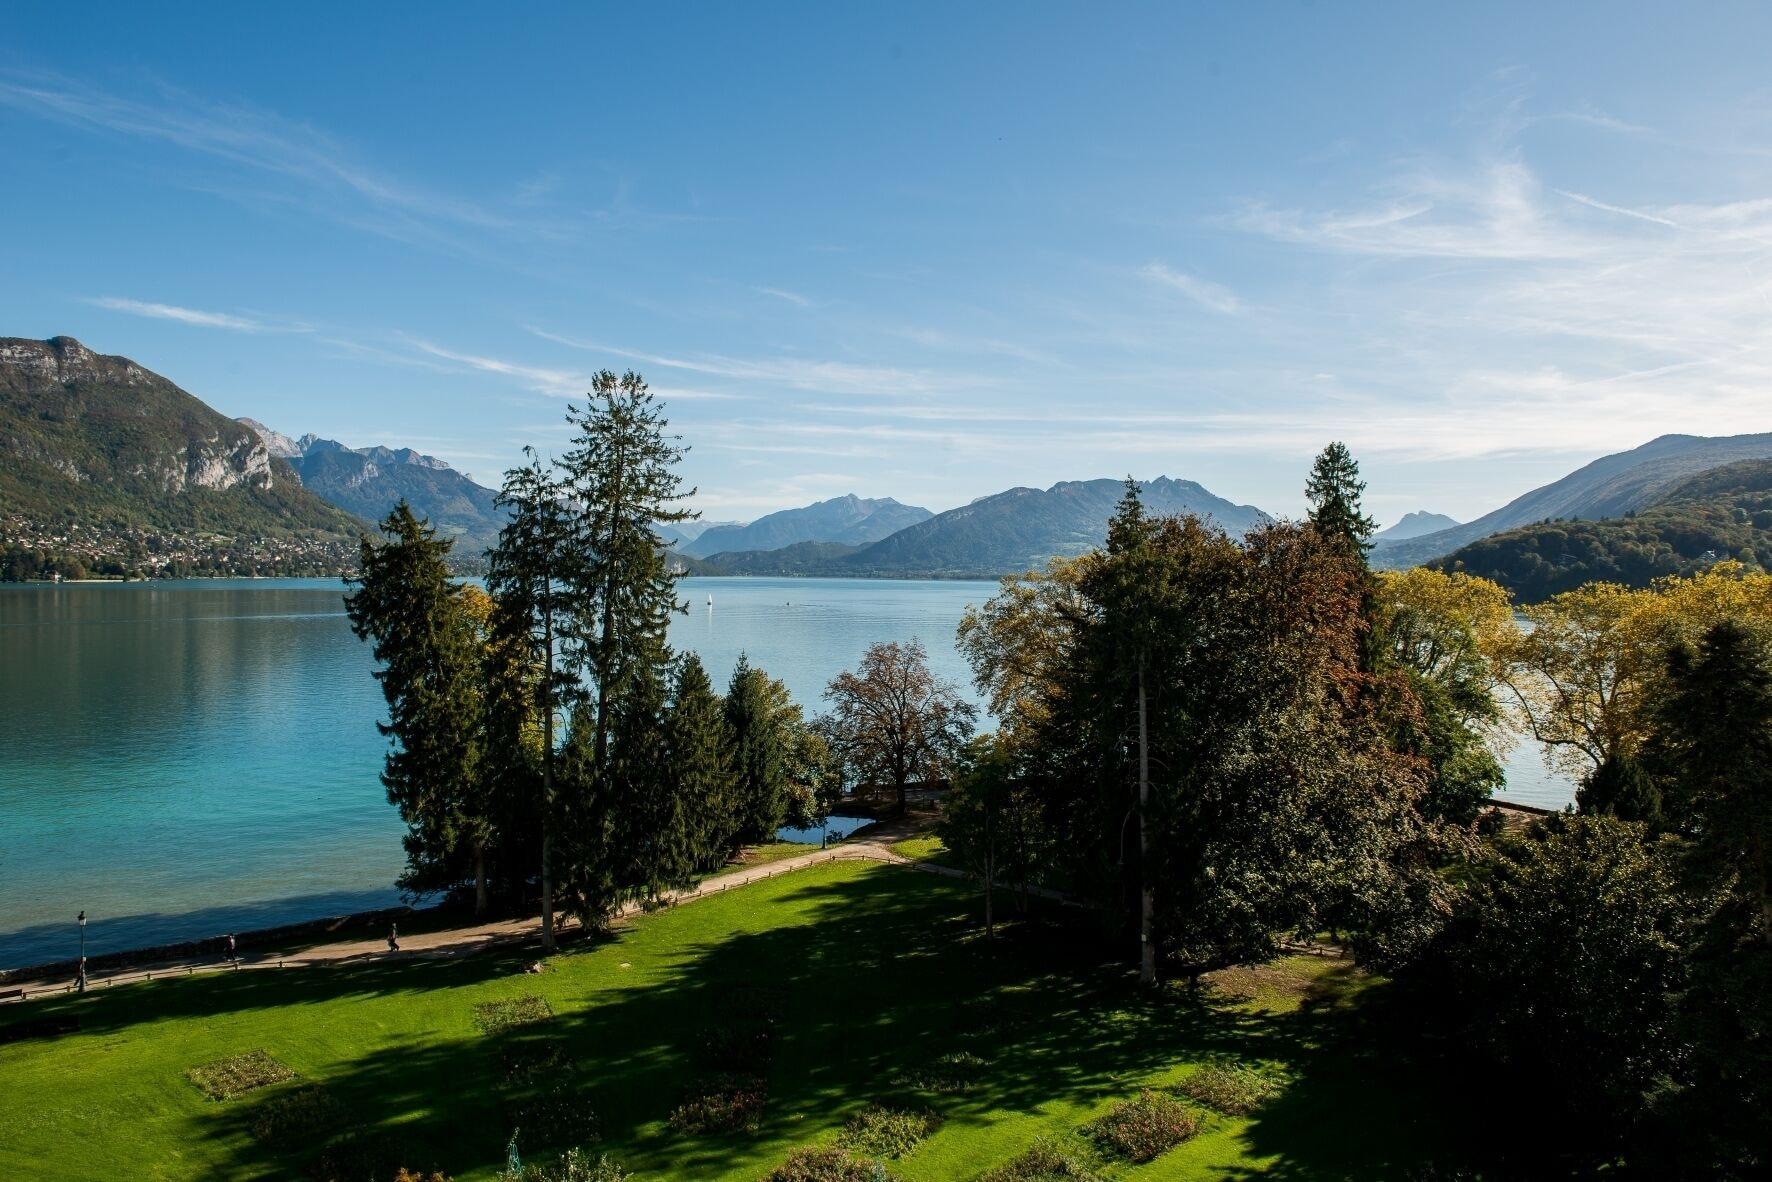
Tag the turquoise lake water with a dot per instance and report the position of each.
(184, 759)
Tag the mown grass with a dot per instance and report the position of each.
(876, 977)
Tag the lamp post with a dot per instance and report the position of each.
(82, 980)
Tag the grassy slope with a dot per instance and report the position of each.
(881, 969)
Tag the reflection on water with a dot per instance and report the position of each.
(182, 759)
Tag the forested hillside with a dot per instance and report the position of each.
(1719, 514)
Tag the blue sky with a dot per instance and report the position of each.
(926, 251)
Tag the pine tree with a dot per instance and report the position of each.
(1334, 490)
(405, 603)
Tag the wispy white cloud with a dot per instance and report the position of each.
(560, 383)
(837, 377)
(194, 316)
(1204, 292)
(781, 293)
(314, 169)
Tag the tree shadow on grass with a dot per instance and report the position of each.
(880, 973)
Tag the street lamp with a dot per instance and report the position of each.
(82, 975)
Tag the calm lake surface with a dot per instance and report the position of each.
(184, 759)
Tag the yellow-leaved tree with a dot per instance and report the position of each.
(1584, 675)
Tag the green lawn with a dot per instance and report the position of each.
(875, 972)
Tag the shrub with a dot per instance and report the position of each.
(299, 1117)
(527, 1062)
(1143, 1128)
(743, 1047)
(559, 1116)
(575, 1166)
(722, 1103)
(494, 1016)
(951, 1074)
(235, 1076)
(826, 1163)
(752, 1003)
(1235, 1089)
(1044, 1162)
(406, 1175)
(356, 1159)
(879, 1131)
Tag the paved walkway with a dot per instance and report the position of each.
(875, 847)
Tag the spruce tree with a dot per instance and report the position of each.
(529, 574)
(759, 751)
(705, 803)
(406, 605)
(1334, 490)
(621, 477)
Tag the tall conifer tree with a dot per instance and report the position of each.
(529, 575)
(406, 605)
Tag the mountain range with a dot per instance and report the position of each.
(999, 534)
(1609, 487)
(848, 520)
(106, 460)
(1414, 525)
(370, 481)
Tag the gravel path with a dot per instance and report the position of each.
(463, 941)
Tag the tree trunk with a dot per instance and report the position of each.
(479, 878)
(1147, 948)
(990, 878)
(547, 782)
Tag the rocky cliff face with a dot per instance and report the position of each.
(218, 459)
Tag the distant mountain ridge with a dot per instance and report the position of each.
(107, 443)
(1010, 531)
(1608, 487)
(1720, 513)
(370, 481)
(1414, 525)
(847, 520)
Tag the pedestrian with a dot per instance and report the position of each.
(233, 954)
(393, 937)
(80, 977)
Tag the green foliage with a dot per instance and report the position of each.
(1561, 967)
(1044, 1161)
(954, 1073)
(825, 1163)
(494, 1017)
(1144, 1128)
(760, 721)
(224, 1079)
(1716, 515)
(530, 1060)
(879, 1131)
(722, 1103)
(992, 823)
(1233, 1088)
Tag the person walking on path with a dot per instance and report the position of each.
(80, 977)
(393, 937)
(233, 952)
